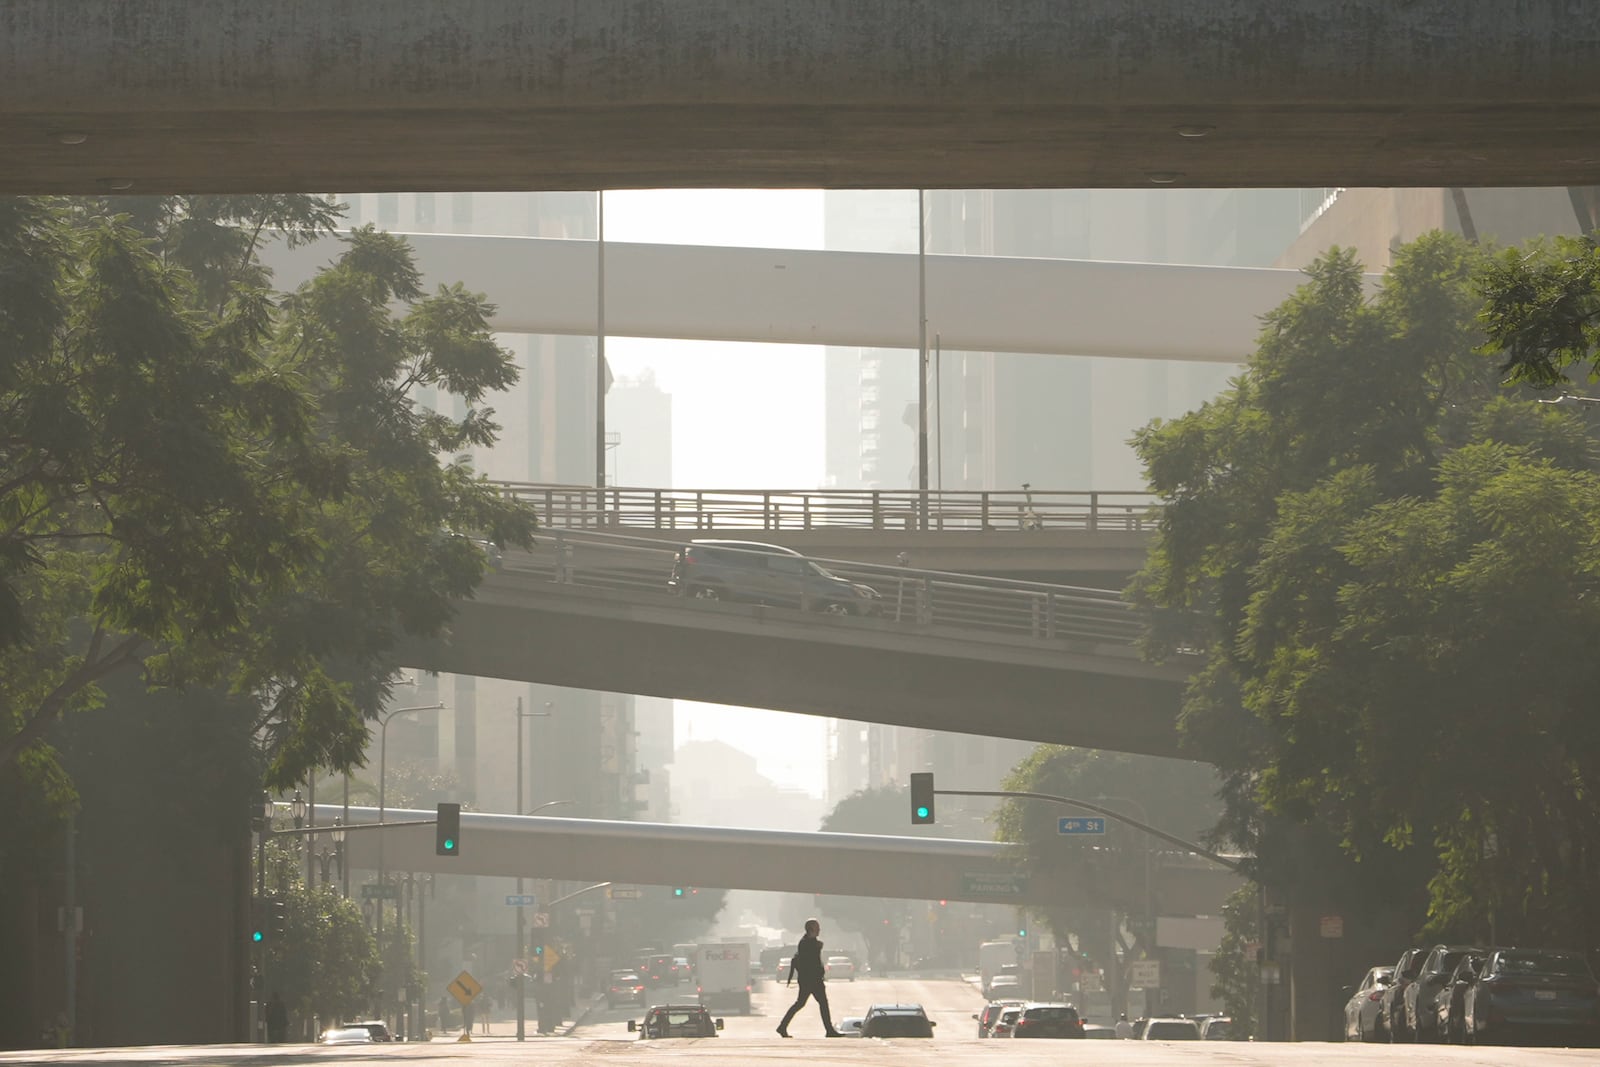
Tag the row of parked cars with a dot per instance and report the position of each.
(1473, 994)
(1022, 1018)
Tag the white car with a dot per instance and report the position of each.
(840, 967)
(1361, 1010)
(850, 1027)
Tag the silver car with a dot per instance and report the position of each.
(1361, 1010)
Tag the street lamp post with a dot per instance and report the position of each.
(327, 858)
(522, 934)
(383, 773)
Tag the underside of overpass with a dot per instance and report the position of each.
(268, 95)
(523, 628)
(910, 868)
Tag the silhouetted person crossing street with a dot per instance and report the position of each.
(807, 963)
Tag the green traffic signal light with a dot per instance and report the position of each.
(922, 813)
(257, 936)
(677, 891)
(921, 798)
(449, 844)
(1022, 933)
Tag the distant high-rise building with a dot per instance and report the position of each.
(641, 415)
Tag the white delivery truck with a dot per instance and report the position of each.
(992, 955)
(723, 976)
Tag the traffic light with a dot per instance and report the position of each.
(922, 798)
(1022, 931)
(278, 916)
(679, 892)
(447, 831)
(258, 923)
(538, 950)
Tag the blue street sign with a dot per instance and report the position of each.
(1080, 824)
(522, 900)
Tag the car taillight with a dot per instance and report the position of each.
(1374, 997)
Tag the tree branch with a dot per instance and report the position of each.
(86, 674)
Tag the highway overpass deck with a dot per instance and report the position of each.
(663, 854)
(160, 96)
(1078, 538)
(959, 653)
(867, 299)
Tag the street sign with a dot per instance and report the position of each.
(521, 900)
(624, 892)
(464, 988)
(994, 884)
(373, 891)
(1080, 824)
(1144, 974)
(541, 918)
(1331, 926)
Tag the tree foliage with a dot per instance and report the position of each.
(218, 489)
(1384, 565)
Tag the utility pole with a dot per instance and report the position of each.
(922, 362)
(522, 940)
(599, 362)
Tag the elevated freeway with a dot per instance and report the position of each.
(1076, 538)
(953, 652)
(910, 868)
(806, 296)
(235, 96)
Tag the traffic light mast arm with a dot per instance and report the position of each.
(577, 893)
(1187, 846)
(325, 828)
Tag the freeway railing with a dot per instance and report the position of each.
(585, 507)
(914, 600)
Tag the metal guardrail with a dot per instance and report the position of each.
(585, 507)
(921, 601)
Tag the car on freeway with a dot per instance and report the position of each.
(1048, 1020)
(625, 987)
(377, 1028)
(1174, 1029)
(1437, 967)
(346, 1035)
(675, 1020)
(850, 1026)
(1361, 1010)
(1217, 1028)
(1008, 1019)
(1535, 996)
(840, 968)
(1392, 1008)
(1005, 987)
(1096, 1032)
(1449, 1005)
(991, 1014)
(897, 1020)
(754, 572)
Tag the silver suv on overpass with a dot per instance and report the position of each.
(756, 573)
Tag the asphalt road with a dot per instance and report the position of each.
(604, 1039)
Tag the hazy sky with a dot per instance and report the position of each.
(743, 416)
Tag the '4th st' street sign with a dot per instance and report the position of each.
(1080, 824)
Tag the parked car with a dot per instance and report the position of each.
(1048, 1020)
(1008, 1020)
(1094, 1032)
(850, 1026)
(1534, 996)
(1361, 1010)
(1217, 1028)
(625, 987)
(1392, 1008)
(1436, 969)
(675, 1020)
(840, 968)
(1170, 1030)
(897, 1020)
(991, 1014)
(753, 572)
(1451, 1001)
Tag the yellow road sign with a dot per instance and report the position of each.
(551, 958)
(464, 988)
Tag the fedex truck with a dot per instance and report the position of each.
(722, 976)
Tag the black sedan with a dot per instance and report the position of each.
(1533, 996)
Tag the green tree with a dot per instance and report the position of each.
(1237, 978)
(1106, 889)
(884, 810)
(1382, 563)
(215, 490)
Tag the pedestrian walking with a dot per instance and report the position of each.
(1124, 1027)
(807, 963)
(277, 1019)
